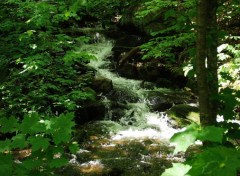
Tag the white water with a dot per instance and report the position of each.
(137, 122)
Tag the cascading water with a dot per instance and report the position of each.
(134, 144)
(137, 120)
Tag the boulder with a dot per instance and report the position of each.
(150, 71)
(116, 110)
(157, 101)
(159, 104)
(92, 111)
(101, 84)
(163, 99)
(130, 41)
(184, 114)
(162, 82)
(122, 95)
(128, 70)
(125, 45)
(147, 85)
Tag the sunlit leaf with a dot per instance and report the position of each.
(212, 134)
(74, 147)
(178, 169)
(220, 161)
(183, 140)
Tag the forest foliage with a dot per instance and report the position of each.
(217, 157)
(42, 86)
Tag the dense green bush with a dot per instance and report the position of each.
(175, 44)
(44, 82)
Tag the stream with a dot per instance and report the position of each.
(133, 139)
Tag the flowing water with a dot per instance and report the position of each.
(136, 143)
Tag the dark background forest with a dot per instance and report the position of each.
(55, 103)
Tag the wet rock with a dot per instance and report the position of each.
(128, 70)
(116, 110)
(130, 41)
(122, 95)
(159, 103)
(114, 33)
(178, 79)
(125, 44)
(91, 111)
(164, 98)
(184, 114)
(128, 57)
(162, 82)
(93, 93)
(101, 84)
(147, 85)
(150, 71)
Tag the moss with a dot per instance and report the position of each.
(184, 114)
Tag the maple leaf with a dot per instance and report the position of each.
(184, 139)
(39, 142)
(178, 169)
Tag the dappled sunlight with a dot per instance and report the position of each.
(138, 141)
(163, 123)
(158, 127)
(130, 149)
(92, 167)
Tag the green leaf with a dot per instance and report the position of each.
(29, 123)
(58, 162)
(184, 139)
(169, 13)
(6, 164)
(220, 161)
(39, 143)
(21, 171)
(178, 169)
(48, 124)
(8, 124)
(74, 147)
(19, 141)
(61, 128)
(5, 145)
(64, 121)
(67, 14)
(212, 134)
(32, 163)
(61, 136)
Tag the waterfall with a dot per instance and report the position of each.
(134, 143)
(137, 121)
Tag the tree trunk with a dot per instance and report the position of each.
(206, 60)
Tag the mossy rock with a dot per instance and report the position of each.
(184, 114)
(102, 84)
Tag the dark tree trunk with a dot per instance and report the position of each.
(206, 60)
